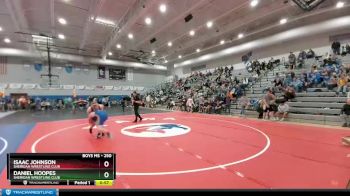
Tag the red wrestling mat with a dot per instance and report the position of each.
(182, 150)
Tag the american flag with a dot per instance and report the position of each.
(3, 65)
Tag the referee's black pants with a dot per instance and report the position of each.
(137, 114)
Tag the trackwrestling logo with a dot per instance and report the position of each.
(156, 130)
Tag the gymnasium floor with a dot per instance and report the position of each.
(183, 150)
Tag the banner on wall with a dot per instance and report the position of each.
(140, 88)
(68, 87)
(3, 86)
(99, 87)
(108, 87)
(117, 74)
(29, 86)
(80, 87)
(130, 75)
(43, 87)
(101, 71)
(26, 67)
(117, 88)
(125, 88)
(15, 86)
(55, 87)
(90, 88)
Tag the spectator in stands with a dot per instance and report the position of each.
(297, 84)
(292, 60)
(316, 78)
(37, 104)
(278, 83)
(325, 74)
(123, 103)
(217, 106)
(345, 113)
(228, 101)
(283, 110)
(190, 104)
(2, 104)
(330, 60)
(342, 84)
(171, 104)
(347, 48)
(11, 104)
(243, 103)
(310, 54)
(301, 58)
(305, 81)
(343, 51)
(336, 47)
(148, 100)
(207, 106)
(59, 104)
(332, 82)
(183, 104)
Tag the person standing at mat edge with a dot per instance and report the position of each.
(345, 113)
(136, 102)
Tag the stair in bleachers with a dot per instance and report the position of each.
(321, 100)
(316, 105)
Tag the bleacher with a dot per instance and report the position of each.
(316, 105)
(321, 107)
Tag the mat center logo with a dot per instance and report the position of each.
(156, 130)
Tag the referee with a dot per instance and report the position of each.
(136, 102)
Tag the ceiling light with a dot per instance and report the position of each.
(222, 42)
(180, 57)
(198, 50)
(7, 40)
(241, 35)
(119, 46)
(254, 3)
(41, 39)
(209, 24)
(153, 51)
(192, 33)
(162, 8)
(283, 21)
(62, 21)
(131, 36)
(170, 44)
(110, 53)
(104, 21)
(0, 28)
(148, 21)
(61, 36)
(340, 4)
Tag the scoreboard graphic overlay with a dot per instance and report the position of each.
(84, 169)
